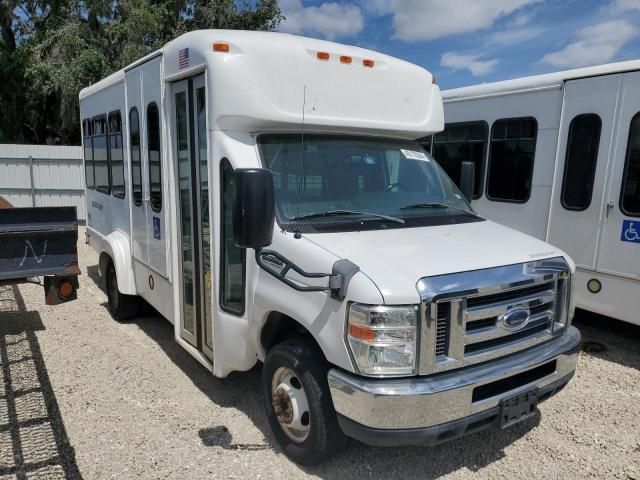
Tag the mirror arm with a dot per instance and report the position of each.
(343, 271)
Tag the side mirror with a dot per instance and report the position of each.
(254, 208)
(467, 179)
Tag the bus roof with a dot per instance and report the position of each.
(536, 82)
(268, 80)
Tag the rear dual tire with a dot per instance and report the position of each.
(298, 402)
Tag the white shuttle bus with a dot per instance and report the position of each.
(557, 156)
(266, 194)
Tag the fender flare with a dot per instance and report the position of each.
(116, 247)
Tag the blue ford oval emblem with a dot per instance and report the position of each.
(515, 317)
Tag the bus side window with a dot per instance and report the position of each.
(136, 166)
(630, 196)
(101, 155)
(233, 258)
(511, 157)
(155, 176)
(116, 154)
(88, 154)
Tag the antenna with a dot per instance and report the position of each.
(301, 176)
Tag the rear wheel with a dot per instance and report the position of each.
(298, 402)
(121, 307)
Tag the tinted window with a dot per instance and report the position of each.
(462, 143)
(155, 178)
(511, 156)
(88, 154)
(630, 201)
(580, 162)
(100, 154)
(136, 166)
(233, 257)
(116, 154)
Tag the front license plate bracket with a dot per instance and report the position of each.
(518, 407)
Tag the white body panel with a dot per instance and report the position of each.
(272, 82)
(591, 236)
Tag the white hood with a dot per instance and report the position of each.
(396, 259)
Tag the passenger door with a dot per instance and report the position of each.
(619, 251)
(189, 121)
(584, 148)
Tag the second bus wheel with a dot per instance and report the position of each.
(298, 402)
(121, 306)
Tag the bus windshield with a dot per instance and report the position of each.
(320, 177)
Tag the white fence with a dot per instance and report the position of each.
(42, 176)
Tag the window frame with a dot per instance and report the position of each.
(102, 116)
(485, 149)
(533, 162)
(87, 135)
(625, 171)
(151, 203)
(139, 146)
(225, 162)
(566, 162)
(109, 134)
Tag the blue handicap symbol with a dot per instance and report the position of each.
(156, 228)
(630, 231)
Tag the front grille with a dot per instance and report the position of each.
(442, 328)
(468, 317)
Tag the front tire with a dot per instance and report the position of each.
(121, 306)
(298, 402)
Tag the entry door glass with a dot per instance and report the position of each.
(186, 217)
(205, 226)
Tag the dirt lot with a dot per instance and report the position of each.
(84, 396)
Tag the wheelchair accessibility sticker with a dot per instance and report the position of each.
(630, 231)
(156, 228)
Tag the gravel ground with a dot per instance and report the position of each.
(84, 396)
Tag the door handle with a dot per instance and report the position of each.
(610, 206)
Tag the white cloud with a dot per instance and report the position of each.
(329, 20)
(595, 44)
(416, 20)
(514, 36)
(459, 61)
(620, 6)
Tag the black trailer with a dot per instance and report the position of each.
(40, 242)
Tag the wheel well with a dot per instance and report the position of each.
(279, 327)
(103, 263)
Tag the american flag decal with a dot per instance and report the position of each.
(183, 58)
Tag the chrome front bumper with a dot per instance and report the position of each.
(426, 410)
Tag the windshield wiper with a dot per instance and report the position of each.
(331, 213)
(436, 205)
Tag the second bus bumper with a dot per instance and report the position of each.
(433, 409)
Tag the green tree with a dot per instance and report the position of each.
(50, 50)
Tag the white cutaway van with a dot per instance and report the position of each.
(265, 193)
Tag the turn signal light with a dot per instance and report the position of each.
(361, 333)
(221, 47)
(322, 56)
(368, 63)
(65, 290)
(345, 59)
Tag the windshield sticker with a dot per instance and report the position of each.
(413, 155)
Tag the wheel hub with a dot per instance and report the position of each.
(290, 404)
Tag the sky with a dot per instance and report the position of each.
(467, 42)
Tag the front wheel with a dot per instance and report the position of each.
(298, 402)
(121, 307)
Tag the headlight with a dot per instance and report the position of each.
(383, 339)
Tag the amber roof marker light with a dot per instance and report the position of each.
(322, 56)
(345, 59)
(368, 63)
(221, 47)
